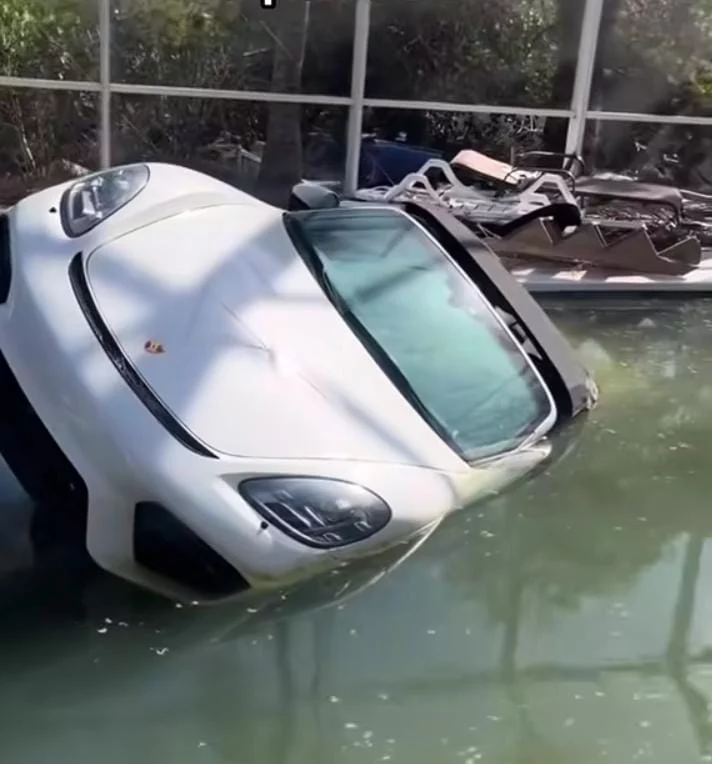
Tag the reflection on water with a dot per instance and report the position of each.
(564, 622)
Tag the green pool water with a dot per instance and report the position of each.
(568, 621)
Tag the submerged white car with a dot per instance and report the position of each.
(241, 395)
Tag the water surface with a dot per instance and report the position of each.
(568, 621)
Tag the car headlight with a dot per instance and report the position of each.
(318, 512)
(94, 198)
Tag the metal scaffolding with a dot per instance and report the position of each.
(577, 115)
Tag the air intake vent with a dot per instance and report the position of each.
(163, 544)
(5, 258)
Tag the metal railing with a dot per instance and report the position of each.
(577, 115)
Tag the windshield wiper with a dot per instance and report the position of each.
(333, 294)
(384, 361)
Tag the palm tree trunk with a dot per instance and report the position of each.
(281, 164)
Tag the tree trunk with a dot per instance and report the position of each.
(281, 164)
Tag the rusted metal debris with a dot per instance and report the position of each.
(632, 251)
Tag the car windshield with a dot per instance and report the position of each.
(428, 325)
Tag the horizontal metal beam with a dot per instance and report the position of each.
(229, 95)
(37, 84)
(123, 88)
(466, 108)
(656, 119)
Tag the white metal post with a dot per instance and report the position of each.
(105, 82)
(588, 46)
(358, 88)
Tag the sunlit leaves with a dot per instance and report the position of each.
(56, 39)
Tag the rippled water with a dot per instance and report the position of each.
(567, 622)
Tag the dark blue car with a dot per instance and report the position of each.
(385, 163)
(382, 163)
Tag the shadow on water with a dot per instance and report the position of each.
(74, 636)
(564, 621)
(636, 497)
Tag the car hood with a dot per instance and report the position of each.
(252, 357)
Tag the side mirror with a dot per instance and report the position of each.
(312, 196)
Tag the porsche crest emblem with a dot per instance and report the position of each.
(153, 347)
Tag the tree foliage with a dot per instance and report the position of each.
(655, 56)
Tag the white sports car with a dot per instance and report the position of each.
(241, 394)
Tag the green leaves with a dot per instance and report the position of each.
(56, 39)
